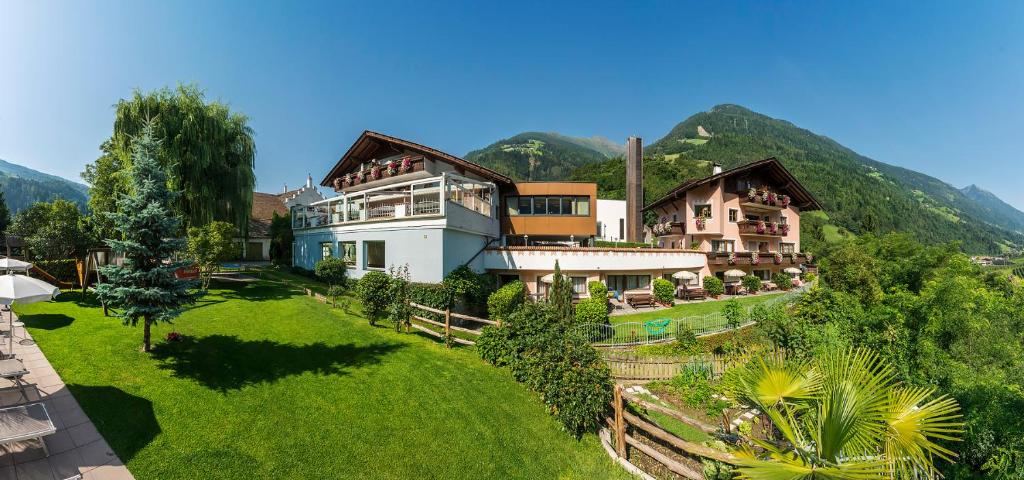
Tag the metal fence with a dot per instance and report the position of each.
(665, 330)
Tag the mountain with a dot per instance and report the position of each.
(858, 193)
(995, 208)
(23, 186)
(544, 155)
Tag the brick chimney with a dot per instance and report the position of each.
(634, 189)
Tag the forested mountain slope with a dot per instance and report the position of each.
(23, 186)
(543, 156)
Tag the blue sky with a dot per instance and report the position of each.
(936, 87)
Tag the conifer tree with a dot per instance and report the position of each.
(561, 294)
(145, 288)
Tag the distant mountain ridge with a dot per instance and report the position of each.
(859, 194)
(23, 186)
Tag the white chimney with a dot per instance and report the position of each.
(716, 169)
(309, 180)
(285, 188)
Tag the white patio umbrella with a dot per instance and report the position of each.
(735, 273)
(684, 275)
(792, 271)
(21, 289)
(549, 278)
(9, 264)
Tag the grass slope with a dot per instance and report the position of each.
(693, 309)
(271, 384)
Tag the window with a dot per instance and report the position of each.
(782, 219)
(675, 217)
(621, 283)
(767, 219)
(764, 275)
(536, 205)
(702, 210)
(787, 248)
(733, 215)
(622, 228)
(347, 250)
(579, 285)
(373, 253)
(325, 250)
(505, 279)
(752, 218)
(723, 246)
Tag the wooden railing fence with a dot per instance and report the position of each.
(632, 367)
(624, 420)
(448, 315)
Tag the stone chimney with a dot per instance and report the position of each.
(634, 189)
(716, 169)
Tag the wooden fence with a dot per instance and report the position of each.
(627, 366)
(679, 456)
(420, 322)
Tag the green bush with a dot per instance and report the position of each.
(331, 271)
(592, 310)
(783, 281)
(810, 276)
(752, 283)
(372, 292)
(564, 369)
(686, 339)
(506, 300)
(469, 288)
(63, 270)
(398, 309)
(664, 291)
(714, 286)
(734, 313)
(597, 289)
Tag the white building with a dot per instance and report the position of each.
(611, 220)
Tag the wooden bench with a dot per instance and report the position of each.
(693, 294)
(640, 300)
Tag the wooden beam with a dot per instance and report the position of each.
(674, 466)
(672, 413)
(688, 447)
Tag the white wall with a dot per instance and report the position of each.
(609, 212)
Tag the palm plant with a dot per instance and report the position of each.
(840, 416)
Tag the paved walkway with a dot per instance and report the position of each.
(77, 450)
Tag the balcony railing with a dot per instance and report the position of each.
(752, 227)
(416, 199)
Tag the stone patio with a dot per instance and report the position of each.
(77, 450)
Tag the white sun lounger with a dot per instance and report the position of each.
(26, 422)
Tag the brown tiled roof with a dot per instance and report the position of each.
(264, 205)
(366, 146)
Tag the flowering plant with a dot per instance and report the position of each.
(773, 228)
(359, 176)
(657, 229)
(406, 164)
(340, 182)
(755, 258)
(778, 258)
(732, 258)
(392, 167)
(810, 257)
(752, 194)
(175, 337)
(375, 172)
(761, 226)
(784, 200)
(784, 228)
(701, 222)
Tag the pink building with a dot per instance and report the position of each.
(747, 218)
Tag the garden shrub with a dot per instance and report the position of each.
(751, 283)
(564, 369)
(714, 286)
(810, 277)
(686, 340)
(63, 270)
(664, 291)
(398, 309)
(331, 271)
(469, 288)
(783, 281)
(696, 389)
(592, 310)
(597, 289)
(506, 300)
(734, 313)
(372, 291)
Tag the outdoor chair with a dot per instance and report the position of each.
(14, 371)
(26, 422)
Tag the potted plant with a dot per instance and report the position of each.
(773, 228)
(701, 222)
(755, 258)
(784, 200)
(340, 182)
(375, 172)
(761, 227)
(732, 258)
(778, 258)
(752, 195)
(406, 165)
(392, 168)
(784, 228)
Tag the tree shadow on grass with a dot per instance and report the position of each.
(46, 321)
(223, 362)
(126, 421)
(254, 291)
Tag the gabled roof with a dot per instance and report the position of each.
(801, 197)
(371, 145)
(264, 206)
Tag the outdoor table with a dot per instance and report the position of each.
(14, 370)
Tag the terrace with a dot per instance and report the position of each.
(422, 198)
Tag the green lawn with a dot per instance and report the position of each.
(692, 309)
(271, 384)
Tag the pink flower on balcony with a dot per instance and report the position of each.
(784, 200)
(701, 222)
(375, 172)
(773, 228)
(340, 183)
(778, 258)
(784, 228)
(752, 195)
(755, 258)
(392, 167)
(732, 258)
(406, 165)
(761, 227)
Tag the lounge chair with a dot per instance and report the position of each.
(14, 370)
(26, 422)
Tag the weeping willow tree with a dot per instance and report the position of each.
(207, 151)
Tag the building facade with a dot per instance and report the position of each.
(611, 220)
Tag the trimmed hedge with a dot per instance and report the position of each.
(597, 289)
(592, 310)
(714, 286)
(752, 283)
(506, 300)
(664, 290)
(63, 270)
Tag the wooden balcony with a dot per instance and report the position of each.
(764, 229)
(764, 258)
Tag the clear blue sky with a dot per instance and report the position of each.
(934, 87)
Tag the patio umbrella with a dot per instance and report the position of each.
(684, 275)
(792, 271)
(21, 289)
(549, 278)
(735, 273)
(9, 264)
